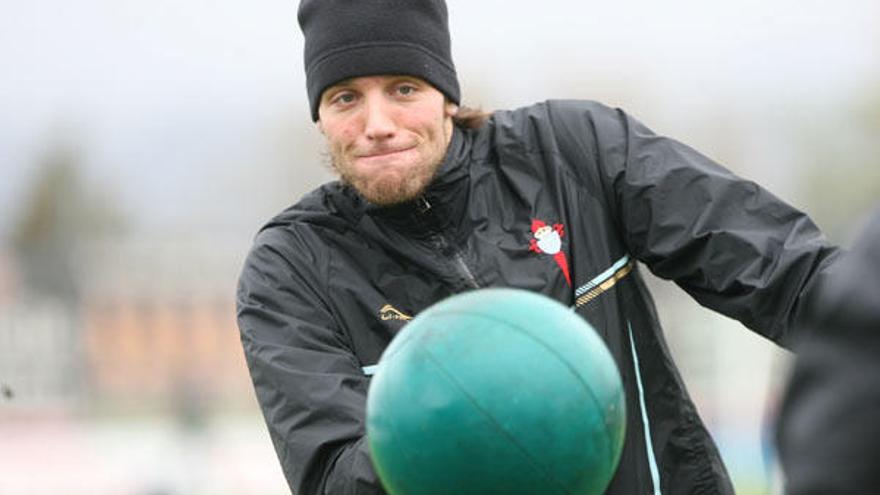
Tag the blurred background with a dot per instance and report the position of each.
(142, 144)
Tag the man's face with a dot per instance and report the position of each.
(387, 135)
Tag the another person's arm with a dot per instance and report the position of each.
(308, 382)
(829, 424)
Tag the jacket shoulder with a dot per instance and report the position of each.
(295, 240)
(570, 135)
(567, 127)
(331, 205)
(559, 115)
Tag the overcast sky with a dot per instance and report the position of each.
(165, 95)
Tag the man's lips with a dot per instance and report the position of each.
(383, 152)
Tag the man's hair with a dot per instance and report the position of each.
(470, 118)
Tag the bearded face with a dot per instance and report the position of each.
(387, 135)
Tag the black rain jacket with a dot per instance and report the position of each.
(561, 198)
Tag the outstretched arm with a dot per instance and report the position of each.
(731, 244)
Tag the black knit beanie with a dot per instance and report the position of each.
(353, 38)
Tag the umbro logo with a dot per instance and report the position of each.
(389, 312)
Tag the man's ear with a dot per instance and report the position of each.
(451, 109)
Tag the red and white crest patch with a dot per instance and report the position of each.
(548, 240)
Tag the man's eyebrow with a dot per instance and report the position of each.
(412, 79)
(346, 83)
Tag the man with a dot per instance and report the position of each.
(560, 198)
(829, 425)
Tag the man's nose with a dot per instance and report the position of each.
(379, 122)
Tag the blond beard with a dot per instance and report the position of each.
(390, 188)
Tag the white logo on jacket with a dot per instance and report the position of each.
(548, 240)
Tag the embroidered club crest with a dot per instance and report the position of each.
(548, 240)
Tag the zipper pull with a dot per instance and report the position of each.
(424, 205)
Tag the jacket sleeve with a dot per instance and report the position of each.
(732, 245)
(308, 382)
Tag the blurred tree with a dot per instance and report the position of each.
(57, 214)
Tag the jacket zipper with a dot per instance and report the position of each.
(465, 271)
(461, 267)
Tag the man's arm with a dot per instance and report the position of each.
(308, 382)
(732, 245)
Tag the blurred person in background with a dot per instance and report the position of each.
(829, 424)
(561, 198)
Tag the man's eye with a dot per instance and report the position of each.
(406, 90)
(344, 98)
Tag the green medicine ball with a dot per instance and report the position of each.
(496, 391)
